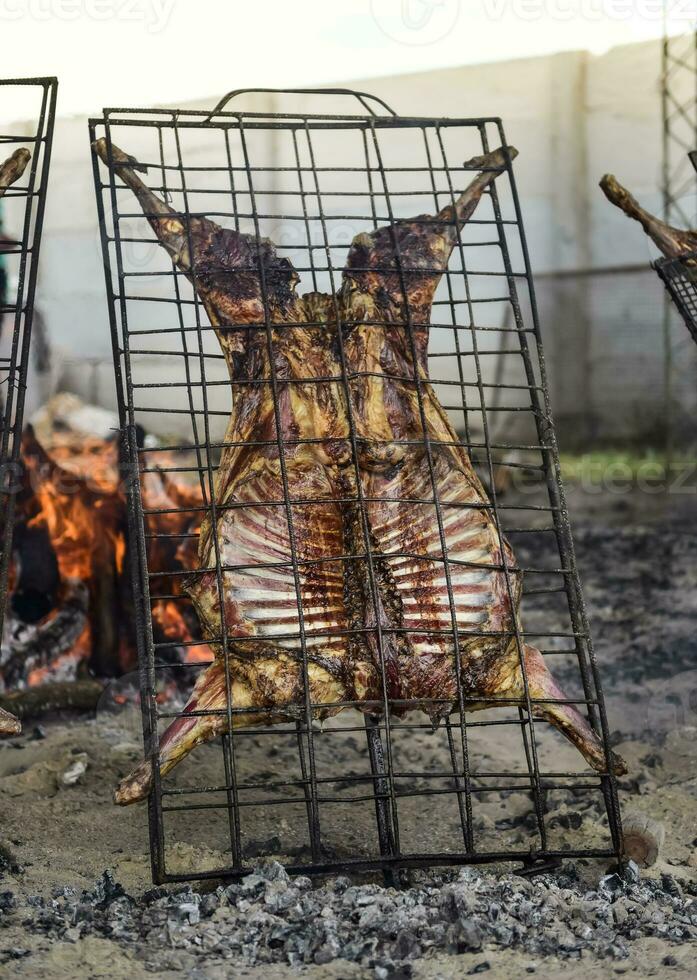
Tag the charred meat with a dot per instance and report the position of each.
(673, 242)
(356, 557)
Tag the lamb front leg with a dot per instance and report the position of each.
(169, 226)
(240, 278)
(673, 242)
(410, 256)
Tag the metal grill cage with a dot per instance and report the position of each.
(21, 214)
(379, 788)
(679, 276)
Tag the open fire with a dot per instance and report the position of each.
(69, 613)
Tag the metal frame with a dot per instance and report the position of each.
(463, 313)
(18, 314)
(679, 276)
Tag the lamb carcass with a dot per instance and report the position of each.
(365, 452)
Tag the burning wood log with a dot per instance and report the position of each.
(70, 606)
(47, 644)
(672, 242)
(77, 695)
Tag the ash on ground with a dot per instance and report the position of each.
(269, 917)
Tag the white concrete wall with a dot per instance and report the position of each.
(572, 116)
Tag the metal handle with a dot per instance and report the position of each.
(362, 97)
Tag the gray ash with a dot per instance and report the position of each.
(268, 917)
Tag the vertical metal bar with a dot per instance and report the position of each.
(534, 771)
(542, 412)
(451, 301)
(315, 833)
(462, 788)
(308, 231)
(376, 758)
(418, 382)
(228, 744)
(136, 536)
(185, 347)
(24, 305)
(375, 748)
(469, 829)
(360, 497)
(307, 789)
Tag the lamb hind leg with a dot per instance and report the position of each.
(204, 717)
(187, 731)
(565, 717)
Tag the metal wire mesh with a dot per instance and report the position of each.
(680, 279)
(22, 212)
(377, 785)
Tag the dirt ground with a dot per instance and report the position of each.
(638, 559)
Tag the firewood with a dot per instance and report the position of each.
(643, 838)
(69, 589)
(52, 639)
(80, 695)
(9, 725)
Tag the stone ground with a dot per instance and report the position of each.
(61, 917)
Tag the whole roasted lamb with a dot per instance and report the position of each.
(327, 524)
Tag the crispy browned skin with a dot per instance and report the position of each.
(378, 323)
(673, 242)
(13, 168)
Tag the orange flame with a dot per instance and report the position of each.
(73, 490)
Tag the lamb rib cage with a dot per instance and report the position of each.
(196, 163)
(24, 169)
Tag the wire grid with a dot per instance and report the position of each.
(23, 213)
(311, 182)
(679, 276)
